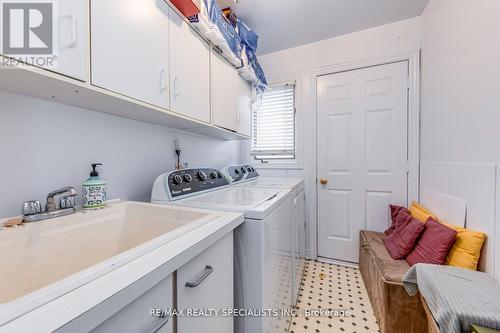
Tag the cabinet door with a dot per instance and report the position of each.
(190, 71)
(136, 316)
(130, 48)
(206, 282)
(72, 34)
(225, 91)
(70, 18)
(244, 110)
(129, 311)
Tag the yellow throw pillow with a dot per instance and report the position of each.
(420, 212)
(466, 250)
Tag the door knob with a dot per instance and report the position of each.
(323, 181)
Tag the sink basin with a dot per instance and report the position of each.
(40, 254)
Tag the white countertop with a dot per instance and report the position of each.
(62, 309)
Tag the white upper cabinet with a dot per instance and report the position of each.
(130, 48)
(231, 97)
(189, 71)
(244, 109)
(73, 39)
(70, 44)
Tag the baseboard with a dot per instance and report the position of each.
(338, 262)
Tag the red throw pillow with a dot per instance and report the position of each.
(395, 210)
(434, 245)
(404, 238)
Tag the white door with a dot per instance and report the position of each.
(362, 154)
(189, 71)
(130, 48)
(231, 97)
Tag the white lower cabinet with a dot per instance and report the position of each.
(206, 282)
(136, 317)
(129, 311)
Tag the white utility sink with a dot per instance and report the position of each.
(69, 251)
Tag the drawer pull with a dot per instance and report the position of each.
(208, 270)
(164, 321)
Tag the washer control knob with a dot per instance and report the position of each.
(177, 179)
(243, 169)
(202, 175)
(219, 175)
(214, 175)
(188, 178)
(236, 171)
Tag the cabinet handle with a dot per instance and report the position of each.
(74, 29)
(177, 90)
(237, 116)
(163, 80)
(163, 322)
(208, 270)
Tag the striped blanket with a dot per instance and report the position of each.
(456, 297)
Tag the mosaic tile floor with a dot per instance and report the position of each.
(326, 286)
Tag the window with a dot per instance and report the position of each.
(273, 125)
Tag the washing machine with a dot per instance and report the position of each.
(248, 176)
(263, 249)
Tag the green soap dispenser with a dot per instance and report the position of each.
(94, 190)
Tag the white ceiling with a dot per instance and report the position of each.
(282, 24)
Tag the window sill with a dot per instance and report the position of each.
(279, 166)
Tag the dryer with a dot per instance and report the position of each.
(263, 249)
(248, 176)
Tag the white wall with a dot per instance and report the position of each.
(46, 145)
(301, 63)
(460, 107)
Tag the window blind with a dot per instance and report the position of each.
(273, 124)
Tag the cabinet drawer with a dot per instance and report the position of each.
(129, 311)
(206, 282)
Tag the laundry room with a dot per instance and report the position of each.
(249, 166)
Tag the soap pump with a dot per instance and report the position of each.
(94, 190)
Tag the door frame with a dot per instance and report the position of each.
(413, 59)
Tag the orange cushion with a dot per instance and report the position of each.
(420, 212)
(466, 250)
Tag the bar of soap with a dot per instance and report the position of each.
(13, 222)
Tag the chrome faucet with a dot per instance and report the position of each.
(69, 192)
(32, 210)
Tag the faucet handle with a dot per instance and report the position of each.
(67, 202)
(32, 207)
